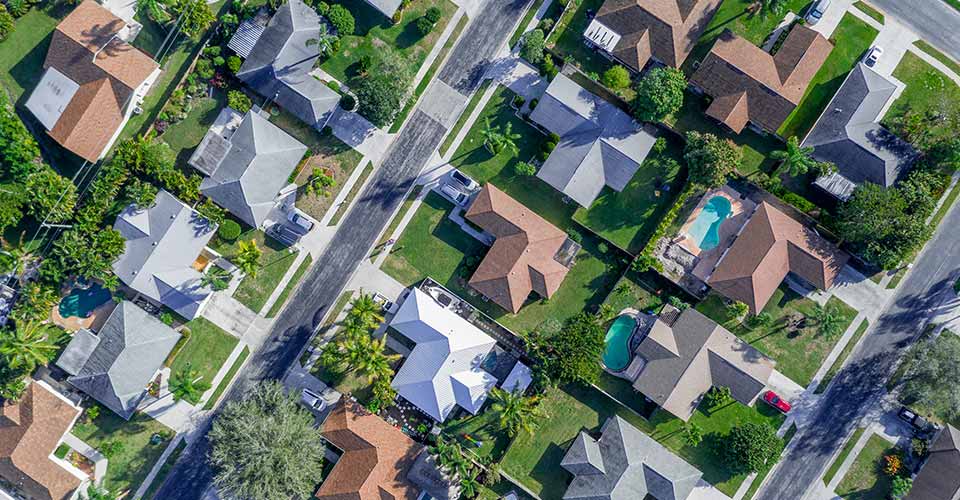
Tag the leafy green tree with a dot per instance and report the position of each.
(27, 346)
(216, 278)
(616, 77)
(424, 26)
(140, 193)
(572, 354)
(153, 9)
(35, 303)
(532, 46)
(325, 42)
(319, 183)
(382, 91)
(931, 376)
(900, 486)
(187, 384)
(265, 447)
(234, 63)
(341, 19)
(524, 168)
(195, 16)
(794, 160)
(710, 160)
(247, 257)
(86, 255)
(515, 412)
(659, 94)
(692, 434)
(241, 102)
(11, 206)
(880, 225)
(50, 196)
(737, 309)
(749, 447)
(19, 151)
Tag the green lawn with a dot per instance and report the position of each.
(798, 354)
(632, 291)
(462, 119)
(164, 470)
(485, 428)
(185, 135)
(275, 259)
(868, 10)
(865, 480)
(151, 36)
(225, 381)
(534, 459)
(207, 349)
(844, 354)
(927, 89)
(133, 462)
(850, 41)
(628, 218)
(23, 52)
(373, 31)
(940, 56)
(844, 453)
(297, 276)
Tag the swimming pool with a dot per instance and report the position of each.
(705, 230)
(616, 356)
(82, 302)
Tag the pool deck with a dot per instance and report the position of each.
(73, 323)
(727, 228)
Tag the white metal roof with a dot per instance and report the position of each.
(51, 97)
(601, 36)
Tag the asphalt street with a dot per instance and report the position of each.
(408, 154)
(933, 20)
(927, 292)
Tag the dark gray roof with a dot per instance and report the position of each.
(163, 242)
(938, 479)
(386, 7)
(125, 355)
(583, 456)
(849, 134)
(600, 145)
(634, 465)
(255, 167)
(279, 65)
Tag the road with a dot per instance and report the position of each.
(933, 20)
(927, 292)
(408, 154)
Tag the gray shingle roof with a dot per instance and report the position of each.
(938, 479)
(386, 7)
(279, 65)
(115, 365)
(634, 465)
(256, 166)
(849, 134)
(600, 145)
(163, 241)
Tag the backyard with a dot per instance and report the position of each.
(798, 354)
(254, 291)
(23, 52)
(206, 350)
(567, 37)
(865, 479)
(185, 135)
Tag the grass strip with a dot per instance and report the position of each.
(222, 386)
(404, 207)
(297, 275)
(940, 56)
(164, 470)
(428, 76)
(844, 354)
(463, 117)
(870, 11)
(847, 448)
(522, 27)
(342, 209)
(934, 222)
(953, 3)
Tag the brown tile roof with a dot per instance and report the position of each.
(106, 82)
(769, 246)
(664, 29)
(521, 259)
(375, 461)
(29, 433)
(745, 80)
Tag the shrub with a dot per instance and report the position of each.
(532, 45)
(218, 61)
(549, 69)
(524, 168)
(892, 464)
(554, 138)
(348, 102)
(518, 101)
(545, 25)
(234, 63)
(341, 19)
(533, 103)
(322, 8)
(166, 318)
(204, 69)
(433, 14)
(424, 26)
(616, 77)
(326, 131)
(229, 230)
(6, 23)
(212, 51)
(239, 101)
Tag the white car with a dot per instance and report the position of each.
(454, 194)
(873, 56)
(313, 400)
(300, 221)
(464, 180)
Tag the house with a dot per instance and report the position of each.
(599, 146)
(849, 135)
(445, 367)
(162, 259)
(684, 354)
(771, 245)
(247, 166)
(92, 82)
(749, 85)
(30, 431)
(938, 479)
(386, 7)
(528, 255)
(625, 464)
(635, 32)
(377, 458)
(279, 63)
(115, 364)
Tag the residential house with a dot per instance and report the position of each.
(635, 32)
(751, 86)
(445, 367)
(528, 255)
(30, 431)
(377, 459)
(92, 82)
(938, 478)
(849, 135)
(771, 245)
(115, 364)
(247, 164)
(388, 8)
(625, 464)
(279, 64)
(599, 146)
(684, 354)
(163, 259)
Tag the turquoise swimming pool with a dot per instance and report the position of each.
(616, 356)
(82, 302)
(705, 230)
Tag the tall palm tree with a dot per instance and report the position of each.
(508, 140)
(491, 136)
(375, 363)
(795, 160)
(27, 346)
(188, 384)
(515, 411)
(247, 257)
(324, 41)
(469, 486)
(367, 310)
(829, 321)
(216, 278)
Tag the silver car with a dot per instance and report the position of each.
(312, 400)
(817, 10)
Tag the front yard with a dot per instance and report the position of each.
(928, 90)
(206, 350)
(798, 354)
(135, 455)
(253, 292)
(865, 479)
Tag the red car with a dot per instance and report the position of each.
(773, 400)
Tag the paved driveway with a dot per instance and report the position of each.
(934, 20)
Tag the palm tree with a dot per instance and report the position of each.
(188, 384)
(829, 321)
(15, 259)
(515, 412)
(96, 493)
(375, 363)
(508, 140)
(216, 278)
(247, 257)
(449, 455)
(491, 136)
(27, 346)
(367, 310)
(324, 42)
(795, 160)
(469, 486)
